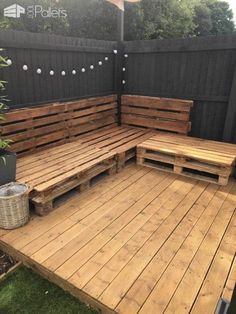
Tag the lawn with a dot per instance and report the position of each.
(24, 292)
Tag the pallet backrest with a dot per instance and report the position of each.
(49, 125)
(91, 114)
(165, 114)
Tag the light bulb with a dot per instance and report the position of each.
(9, 62)
(115, 52)
(83, 70)
(91, 67)
(100, 62)
(39, 71)
(51, 72)
(25, 67)
(73, 72)
(63, 73)
(126, 56)
(106, 58)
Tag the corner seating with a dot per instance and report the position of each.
(62, 146)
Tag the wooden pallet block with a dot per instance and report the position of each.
(186, 160)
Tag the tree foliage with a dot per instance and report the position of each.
(148, 19)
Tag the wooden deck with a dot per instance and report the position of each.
(141, 241)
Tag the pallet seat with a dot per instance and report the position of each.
(55, 171)
(119, 140)
(206, 160)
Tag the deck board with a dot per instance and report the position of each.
(141, 241)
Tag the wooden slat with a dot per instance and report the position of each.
(178, 126)
(230, 284)
(155, 113)
(217, 274)
(158, 103)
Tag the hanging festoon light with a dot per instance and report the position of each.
(91, 67)
(51, 72)
(83, 70)
(9, 62)
(100, 63)
(106, 58)
(39, 71)
(126, 55)
(25, 67)
(73, 72)
(63, 73)
(124, 69)
(115, 51)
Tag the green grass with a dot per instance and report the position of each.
(24, 292)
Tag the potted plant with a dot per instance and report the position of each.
(7, 159)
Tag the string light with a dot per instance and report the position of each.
(63, 72)
(9, 62)
(124, 69)
(126, 56)
(123, 82)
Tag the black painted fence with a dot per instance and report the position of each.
(201, 69)
(56, 53)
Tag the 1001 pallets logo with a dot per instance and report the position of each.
(33, 11)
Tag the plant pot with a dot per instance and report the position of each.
(7, 167)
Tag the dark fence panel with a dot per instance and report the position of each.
(201, 69)
(49, 52)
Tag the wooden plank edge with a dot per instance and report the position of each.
(10, 271)
(62, 283)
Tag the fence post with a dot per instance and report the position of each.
(231, 113)
(118, 77)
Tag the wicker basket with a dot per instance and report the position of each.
(14, 205)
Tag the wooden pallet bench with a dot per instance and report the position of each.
(55, 171)
(201, 159)
(51, 160)
(121, 141)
